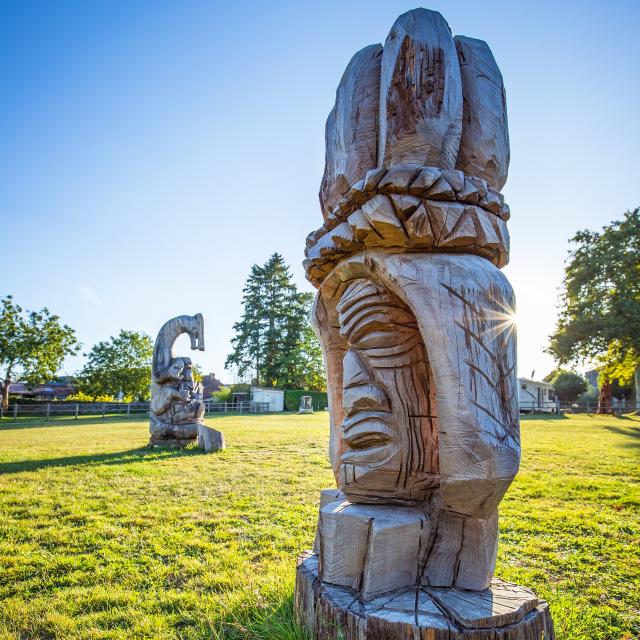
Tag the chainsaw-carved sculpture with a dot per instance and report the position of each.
(416, 324)
(177, 407)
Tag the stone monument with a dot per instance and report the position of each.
(306, 404)
(177, 406)
(416, 324)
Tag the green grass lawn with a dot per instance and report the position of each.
(103, 538)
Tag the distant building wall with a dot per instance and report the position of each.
(275, 397)
(535, 395)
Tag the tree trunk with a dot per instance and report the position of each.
(604, 400)
(505, 611)
(4, 389)
(636, 376)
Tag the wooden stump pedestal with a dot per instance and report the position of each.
(504, 611)
(172, 436)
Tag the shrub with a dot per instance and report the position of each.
(225, 394)
(568, 386)
(292, 399)
(80, 396)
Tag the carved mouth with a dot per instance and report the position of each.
(368, 438)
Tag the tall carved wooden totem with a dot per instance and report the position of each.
(416, 324)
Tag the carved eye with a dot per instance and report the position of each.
(377, 337)
(371, 318)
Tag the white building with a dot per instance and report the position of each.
(535, 396)
(275, 397)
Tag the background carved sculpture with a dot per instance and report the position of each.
(177, 406)
(416, 324)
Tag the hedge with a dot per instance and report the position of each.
(292, 399)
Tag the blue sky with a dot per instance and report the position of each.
(152, 151)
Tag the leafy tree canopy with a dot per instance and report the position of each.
(122, 363)
(33, 345)
(600, 305)
(568, 386)
(273, 340)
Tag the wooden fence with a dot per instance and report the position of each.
(50, 410)
(583, 406)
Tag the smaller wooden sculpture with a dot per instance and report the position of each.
(177, 406)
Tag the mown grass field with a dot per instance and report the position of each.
(103, 538)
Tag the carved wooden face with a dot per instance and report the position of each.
(389, 432)
(399, 331)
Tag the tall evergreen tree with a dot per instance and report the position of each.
(271, 338)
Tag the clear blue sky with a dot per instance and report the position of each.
(152, 151)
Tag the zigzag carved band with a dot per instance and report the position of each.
(416, 208)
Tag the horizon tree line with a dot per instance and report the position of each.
(275, 345)
(274, 340)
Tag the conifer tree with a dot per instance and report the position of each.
(272, 339)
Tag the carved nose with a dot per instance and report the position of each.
(365, 397)
(360, 392)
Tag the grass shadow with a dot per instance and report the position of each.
(629, 432)
(543, 416)
(119, 457)
(7, 424)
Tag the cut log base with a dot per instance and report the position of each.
(172, 436)
(505, 611)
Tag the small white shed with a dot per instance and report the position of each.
(275, 397)
(535, 395)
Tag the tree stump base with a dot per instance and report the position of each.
(172, 436)
(504, 611)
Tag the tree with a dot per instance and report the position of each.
(568, 386)
(273, 339)
(123, 363)
(303, 363)
(33, 345)
(600, 304)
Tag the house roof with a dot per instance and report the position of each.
(540, 383)
(269, 389)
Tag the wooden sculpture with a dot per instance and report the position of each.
(177, 407)
(416, 324)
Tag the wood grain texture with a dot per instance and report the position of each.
(484, 146)
(374, 548)
(351, 135)
(371, 549)
(210, 439)
(420, 93)
(415, 207)
(504, 611)
(462, 309)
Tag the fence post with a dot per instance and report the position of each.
(103, 409)
(128, 409)
(15, 411)
(77, 410)
(48, 410)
